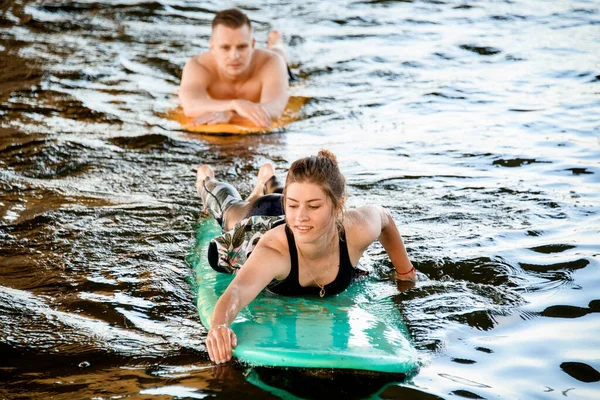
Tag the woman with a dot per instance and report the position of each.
(314, 252)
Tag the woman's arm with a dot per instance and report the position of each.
(392, 243)
(265, 263)
(380, 225)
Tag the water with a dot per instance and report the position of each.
(475, 123)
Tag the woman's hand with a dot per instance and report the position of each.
(409, 276)
(219, 342)
(265, 263)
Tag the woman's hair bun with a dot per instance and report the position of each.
(327, 154)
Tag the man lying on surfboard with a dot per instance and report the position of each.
(316, 250)
(234, 81)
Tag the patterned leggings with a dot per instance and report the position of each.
(218, 197)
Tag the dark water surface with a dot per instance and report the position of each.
(476, 123)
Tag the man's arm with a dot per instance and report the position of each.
(196, 102)
(193, 93)
(274, 95)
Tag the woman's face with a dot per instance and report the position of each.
(308, 210)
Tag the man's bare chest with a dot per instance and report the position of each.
(226, 91)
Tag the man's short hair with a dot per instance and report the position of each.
(231, 18)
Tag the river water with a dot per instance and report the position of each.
(476, 123)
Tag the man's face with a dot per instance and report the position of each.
(232, 49)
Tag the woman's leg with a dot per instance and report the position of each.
(218, 198)
(236, 214)
(269, 203)
(265, 176)
(224, 202)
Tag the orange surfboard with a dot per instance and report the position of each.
(290, 114)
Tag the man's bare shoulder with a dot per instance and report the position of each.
(197, 72)
(267, 60)
(267, 55)
(203, 61)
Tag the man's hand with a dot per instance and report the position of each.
(210, 118)
(252, 111)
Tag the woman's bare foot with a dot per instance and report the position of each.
(264, 174)
(204, 171)
(275, 43)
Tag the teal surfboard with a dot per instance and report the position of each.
(359, 329)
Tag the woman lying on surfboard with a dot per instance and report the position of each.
(313, 251)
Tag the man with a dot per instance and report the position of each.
(234, 81)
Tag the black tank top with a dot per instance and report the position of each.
(290, 286)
